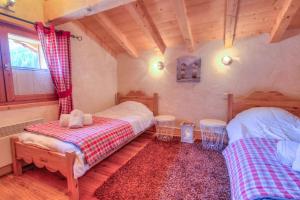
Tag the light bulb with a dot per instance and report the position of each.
(226, 60)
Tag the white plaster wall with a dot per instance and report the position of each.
(257, 66)
(94, 73)
(32, 10)
(49, 112)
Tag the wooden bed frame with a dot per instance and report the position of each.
(262, 99)
(139, 96)
(55, 161)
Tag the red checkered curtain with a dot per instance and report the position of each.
(56, 48)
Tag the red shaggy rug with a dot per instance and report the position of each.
(169, 171)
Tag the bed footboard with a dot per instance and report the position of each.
(53, 161)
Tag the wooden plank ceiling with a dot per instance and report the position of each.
(156, 24)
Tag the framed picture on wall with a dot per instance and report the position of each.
(188, 69)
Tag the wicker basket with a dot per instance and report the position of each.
(213, 133)
(165, 127)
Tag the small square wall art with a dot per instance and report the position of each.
(188, 69)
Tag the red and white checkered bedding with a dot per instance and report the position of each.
(95, 141)
(256, 173)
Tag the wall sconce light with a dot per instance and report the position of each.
(226, 60)
(160, 65)
(156, 66)
(8, 4)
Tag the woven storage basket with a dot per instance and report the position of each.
(213, 133)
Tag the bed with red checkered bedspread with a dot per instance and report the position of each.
(95, 141)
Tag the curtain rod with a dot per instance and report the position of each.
(78, 37)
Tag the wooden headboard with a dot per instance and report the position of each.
(150, 101)
(262, 99)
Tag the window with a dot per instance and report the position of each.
(24, 76)
(25, 53)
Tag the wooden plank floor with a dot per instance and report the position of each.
(39, 184)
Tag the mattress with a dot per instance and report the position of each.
(139, 119)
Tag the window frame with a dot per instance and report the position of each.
(2, 83)
(7, 94)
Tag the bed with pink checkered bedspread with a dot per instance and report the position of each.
(95, 141)
(256, 173)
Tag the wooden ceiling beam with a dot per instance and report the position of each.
(184, 24)
(139, 13)
(94, 37)
(61, 11)
(116, 34)
(231, 16)
(284, 18)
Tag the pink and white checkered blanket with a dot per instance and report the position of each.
(95, 141)
(256, 173)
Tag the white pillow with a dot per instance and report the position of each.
(286, 151)
(296, 164)
(264, 122)
(134, 106)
